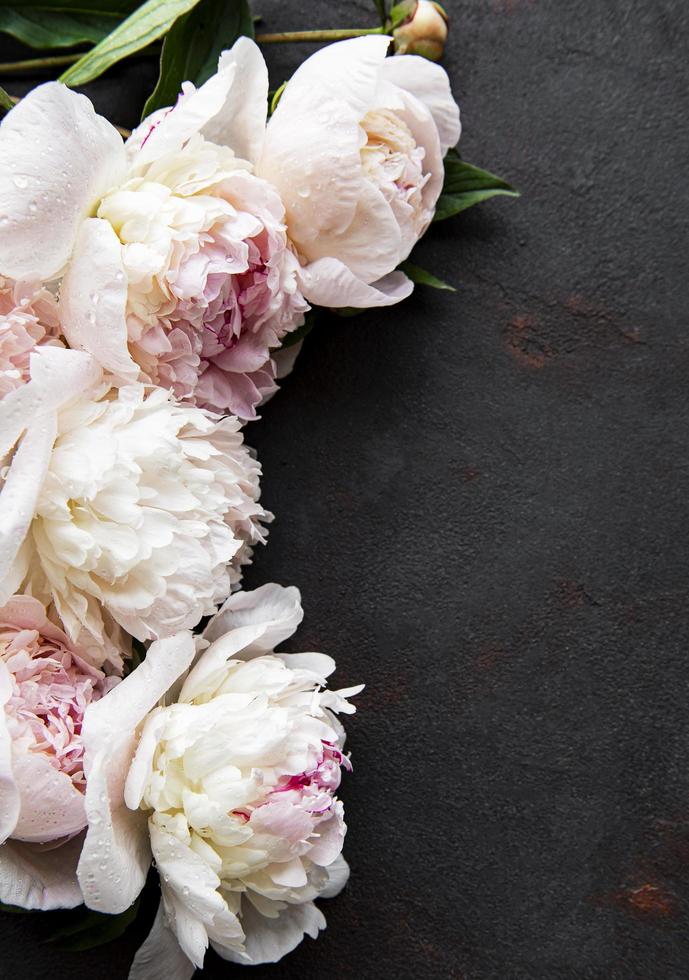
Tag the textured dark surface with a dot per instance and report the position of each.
(484, 499)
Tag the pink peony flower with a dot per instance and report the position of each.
(28, 319)
(46, 686)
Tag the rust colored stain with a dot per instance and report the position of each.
(470, 473)
(525, 344)
(572, 595)
(489, 657)
(649, 899)
(577, 305)
(512, 6)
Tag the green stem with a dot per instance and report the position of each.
(34, 64)
(334, 35)
(54, 61)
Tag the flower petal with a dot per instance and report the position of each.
(52, 807)
(429, 83)
(161, 957)
(117, 836)
(327, 282)
(268, 940)
(93, 298)
(241, 122)
(167, 131)
(57, 159)
(347, 70)
(338, 876)
(33, 876)
(276, 607)
(194, 905)
(9, 792)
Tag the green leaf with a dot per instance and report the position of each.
(153, 19)
(466, 185)
(274, 98)
(15, 909)
(90, 929)
(193, 45)
(6, 101)
(423, 278)
(401, 13)
(62, 23)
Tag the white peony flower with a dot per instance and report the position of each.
(231, 781)
(129, 505)
(178, 268)
(355, 149)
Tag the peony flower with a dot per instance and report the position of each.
(423, 31)
(28, 319)
(46, 687)
(355, 149)
(122, 503)
(229, 784)
(178, 268)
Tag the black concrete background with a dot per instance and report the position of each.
(484, 500)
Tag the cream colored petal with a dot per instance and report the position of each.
(52, 807)
(268, 940)
(57, 159)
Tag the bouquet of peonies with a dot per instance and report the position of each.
(153, 290)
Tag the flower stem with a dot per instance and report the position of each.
(34, 64)
(333, 35)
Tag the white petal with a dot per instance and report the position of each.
(241, 122)
(275, 607)
(57, 159)
(52, 807)
(168, 132)
(348, 70)
(327, 282)
(20, 495)
(429, 83)
(311, 155)
(160, 957)
(318, 663)
(116, 835)
(190, 888)
(268, 940)
(93, 298)
(57, 376)
(9, 793)
(338, 876)
(33, 876)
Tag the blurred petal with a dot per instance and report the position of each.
(33, 876)
(57, 159)
(338, 876)
(430, 84)
(241, 122)
(160, 957)
(285, 358)
(268, 940)
(117, 836)
(328, 282)
(93, 298)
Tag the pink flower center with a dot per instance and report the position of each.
(53, 688)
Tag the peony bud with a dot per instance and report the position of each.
(420, 28)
